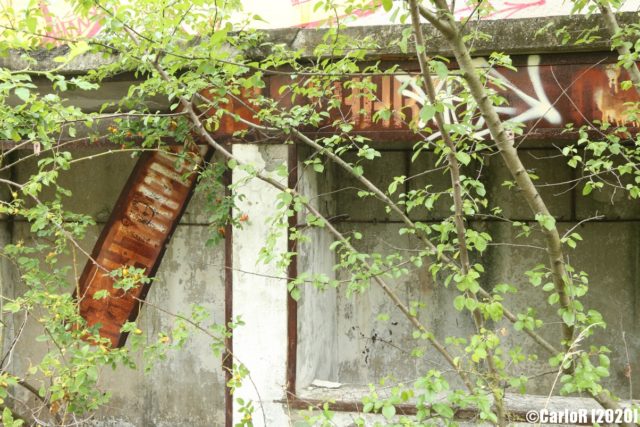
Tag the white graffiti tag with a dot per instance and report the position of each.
(539, 106)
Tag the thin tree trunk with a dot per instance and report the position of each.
(611, 23)
(454, 171)
(504, 141)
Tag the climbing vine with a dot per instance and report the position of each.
(211, 68)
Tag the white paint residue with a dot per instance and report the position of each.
(325, 384)
(539, 105)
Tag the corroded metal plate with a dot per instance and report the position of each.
(137, 233)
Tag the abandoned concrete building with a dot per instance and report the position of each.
(331, 336)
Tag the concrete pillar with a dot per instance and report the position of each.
(259, 298)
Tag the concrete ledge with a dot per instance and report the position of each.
(349, 399)
(513, 36)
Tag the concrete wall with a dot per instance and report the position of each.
(318, 314)
(186, 389)
(364, 348)
(259, 289)
(340, 337)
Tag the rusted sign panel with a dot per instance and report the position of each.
(540, 94)
(140, 227)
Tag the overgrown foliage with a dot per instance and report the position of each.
(202, 58)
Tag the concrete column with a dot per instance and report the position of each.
(317, 309)
(259, 298)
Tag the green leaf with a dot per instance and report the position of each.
(547, 221)
(463, 157)
(22, 93)
(427, 112)
(602, 371)
(8, 420)
(471, 304)
(12, 307)
(443, 410)
(569, 317)
(31, 23)
(102, 293)
(383, 317)
(481, 244)
(495, 311)
(440, 68)
(387, 5)
(388, 411)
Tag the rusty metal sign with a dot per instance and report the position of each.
(543, 93)
(141, 224)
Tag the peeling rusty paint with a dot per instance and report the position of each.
(545, 92)
(292, 272)
(537, 94)
(227, 358)
(140, 226)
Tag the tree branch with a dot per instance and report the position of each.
(374, 189)
(454, 171)
(509, 154)
(201, 131)
(611, 23)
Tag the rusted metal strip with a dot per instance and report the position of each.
(538, 95)
(292, 273)
(227, 358)
(545, 93)
(137, 233)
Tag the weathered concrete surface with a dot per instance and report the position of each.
(186, 389)
(515, 404)
(437, 181)
(372, 348)
(104, 175)
(551, 170)
(95, 194)
(611, 203)
(515, 36)
(613, 290)
(317, 311)
(340, 337)
(380, 173)
(509, 36)
(259, 289)
(105, 99)
(368, 348)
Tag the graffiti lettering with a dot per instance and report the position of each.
(537, 94)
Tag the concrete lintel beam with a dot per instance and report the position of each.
(514, 36)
